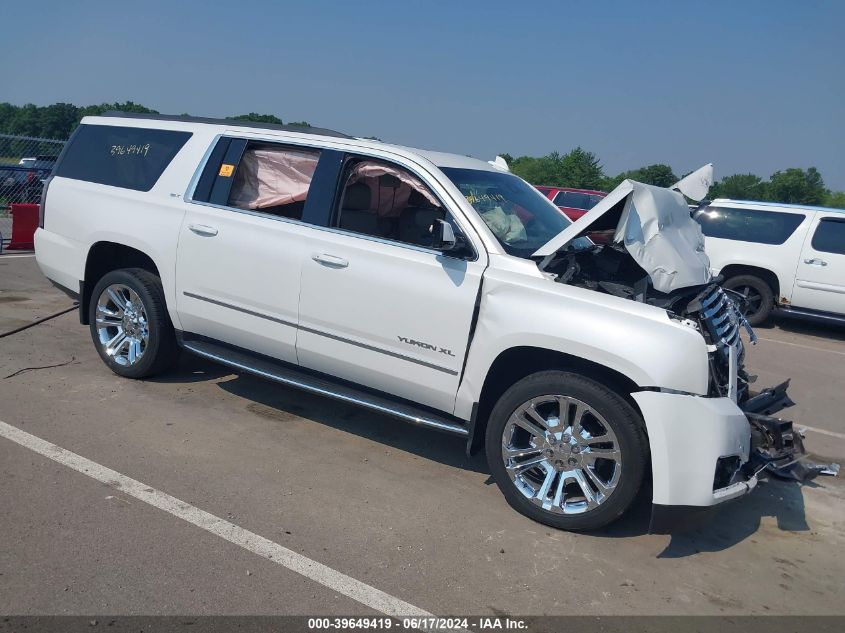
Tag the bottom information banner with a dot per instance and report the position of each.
(525, 624)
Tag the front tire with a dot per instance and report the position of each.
(566, 451)
(758, 296)
(130, 326)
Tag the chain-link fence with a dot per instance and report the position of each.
(25, 162)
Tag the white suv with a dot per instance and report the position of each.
(780, 256)
(435, 288)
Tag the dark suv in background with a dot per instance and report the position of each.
(23, 182)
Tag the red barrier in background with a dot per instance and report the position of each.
(24, 223)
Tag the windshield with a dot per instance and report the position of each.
(520, 217)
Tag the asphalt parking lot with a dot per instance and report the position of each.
(400, 510)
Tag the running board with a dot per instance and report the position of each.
(299, 379)
(805, 312)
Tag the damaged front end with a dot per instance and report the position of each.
(657, 257)
(775, 444)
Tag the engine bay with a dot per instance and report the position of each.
(610, 268)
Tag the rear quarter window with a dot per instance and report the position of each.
(748, 225)
(830, 236)
(127, 157)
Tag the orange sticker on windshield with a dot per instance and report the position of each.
(226, 170)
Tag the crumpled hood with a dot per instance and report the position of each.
(656, 228)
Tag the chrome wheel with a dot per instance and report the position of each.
(561, 454)
(122, 327)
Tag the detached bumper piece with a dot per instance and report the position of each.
(775, 444)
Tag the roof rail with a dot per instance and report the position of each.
(769, 203)
(317, 131)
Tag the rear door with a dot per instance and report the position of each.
(820, 280)
(241, 245)
(380, 306)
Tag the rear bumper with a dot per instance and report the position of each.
(60, 259)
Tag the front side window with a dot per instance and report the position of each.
(748, 225)
(274, 179)
(830, 236)
(387, 201)
(127, 157)
(517, 214)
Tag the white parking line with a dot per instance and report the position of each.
(4, 256)
(815, 349)
(841, 436)
(311, 569)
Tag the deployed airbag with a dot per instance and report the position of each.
(269, 178)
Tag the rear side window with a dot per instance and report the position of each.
(748, 225)
(274, 179)
(594, 200)
(127, 157)
(573, 200)
(830, 236)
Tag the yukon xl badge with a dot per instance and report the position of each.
(433, 348)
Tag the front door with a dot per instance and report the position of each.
(820, 279)
(379, 306)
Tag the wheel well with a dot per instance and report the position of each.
(103, 257)
(516, 363)
(734, 270)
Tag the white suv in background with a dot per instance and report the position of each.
(779, 256)
(435, 288)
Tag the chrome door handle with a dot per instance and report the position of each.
(330, 260)
(815, 262)
(203, 229)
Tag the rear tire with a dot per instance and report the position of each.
(130, 326)
(757, 292)
(586, 443)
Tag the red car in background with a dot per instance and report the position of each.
(573, 202)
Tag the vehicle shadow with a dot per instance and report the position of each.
(725, 527)
(191, 368)
(740, 520)
(279, 402)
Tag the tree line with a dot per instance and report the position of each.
(578, 168)
(583, 170)
(57, 121)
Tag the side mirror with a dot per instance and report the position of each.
(443, 236)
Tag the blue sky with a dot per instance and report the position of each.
(749, 85)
